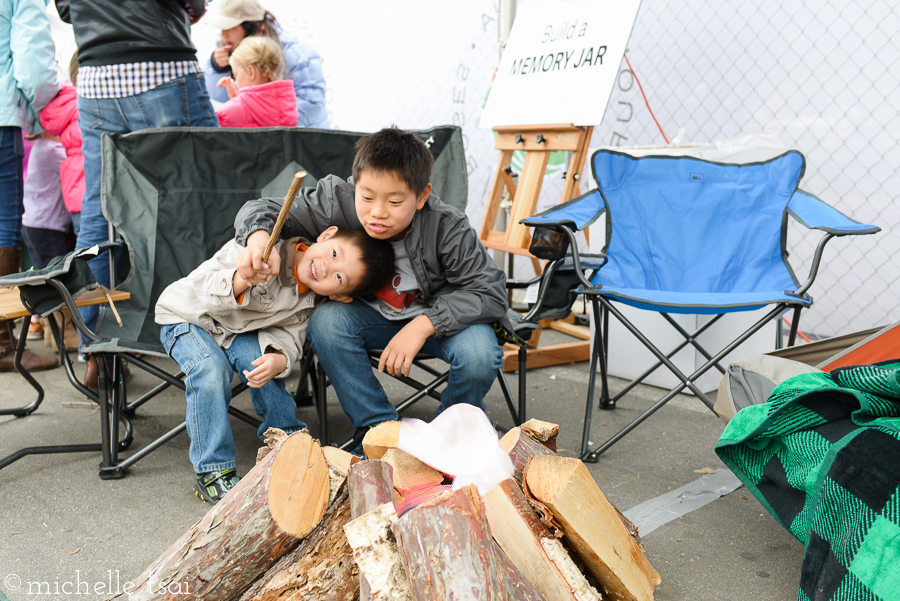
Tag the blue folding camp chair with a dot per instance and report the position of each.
(685, 235)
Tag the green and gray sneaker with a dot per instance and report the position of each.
(212, 486)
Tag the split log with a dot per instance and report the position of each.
(521, 447)
(592, 527)
(409, 472)
(379, 439)
(518, 587)
(538, 555)
(447, 550)
(381, 573)
(265, 515)
(338, 462)
(543, 432)
(320, 567)
(371, 485)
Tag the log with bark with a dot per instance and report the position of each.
(539, 555)
(543, 432)
(448, 551)
(320, 567)
(520, 446)
(592, 527)
(265, 515)
(381, 573)
(371, 486)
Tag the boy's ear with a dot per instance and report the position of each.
(341, 298)
(328, 233)
(420, 202)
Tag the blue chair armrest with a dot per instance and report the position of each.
(577, 214)
(815, 213)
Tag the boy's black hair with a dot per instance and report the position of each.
(393, 150)
(377, 261)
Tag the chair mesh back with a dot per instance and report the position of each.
(173, 195)
(686, 225)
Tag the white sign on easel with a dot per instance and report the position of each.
(560, 63)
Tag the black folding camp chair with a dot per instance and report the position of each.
(171, 196)
(686, 235)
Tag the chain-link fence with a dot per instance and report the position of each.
(822, 75)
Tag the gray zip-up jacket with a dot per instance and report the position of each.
(456, 275)
(274, 310)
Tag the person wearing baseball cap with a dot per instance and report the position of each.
(239, 19)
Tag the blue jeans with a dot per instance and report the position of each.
(179, 102)
(12, 151)
(340, 333)
(208, 370)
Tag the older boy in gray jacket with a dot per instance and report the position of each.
(446, 292)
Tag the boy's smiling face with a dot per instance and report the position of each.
(385, 205)
(330, 267)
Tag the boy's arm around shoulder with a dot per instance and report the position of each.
(476, 287)
(314, 210)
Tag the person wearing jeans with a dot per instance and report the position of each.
(346, 332)
(210, 369)
(27, 85)
(138, 70)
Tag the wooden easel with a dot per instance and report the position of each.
(537, 141)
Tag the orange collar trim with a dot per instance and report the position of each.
(301, 287)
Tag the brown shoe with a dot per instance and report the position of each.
(92, 374)
(30, 361)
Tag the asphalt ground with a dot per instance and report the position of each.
(59, 523)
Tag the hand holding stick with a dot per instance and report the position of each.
(285, 209)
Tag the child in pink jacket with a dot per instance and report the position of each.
(60, 118)
(259, 96)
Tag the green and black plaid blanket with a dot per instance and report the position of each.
(823, 456)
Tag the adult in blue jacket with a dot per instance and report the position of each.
(241, 18)
(27, 85)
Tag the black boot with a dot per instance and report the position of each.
(9, 263)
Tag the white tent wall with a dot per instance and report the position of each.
(822, 75)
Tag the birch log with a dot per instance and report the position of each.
(592, 527)
(274, 506)
(371, 485)
(447, 550)
(381, 573)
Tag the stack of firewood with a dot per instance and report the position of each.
(313, 523)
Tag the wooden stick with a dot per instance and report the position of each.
(285, 209)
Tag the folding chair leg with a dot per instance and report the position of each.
(523, 387)
(17, 363)
(795, 324)
(507, 396)
(686, 381)
(596, 350)
(603, 333)
(321, 404)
